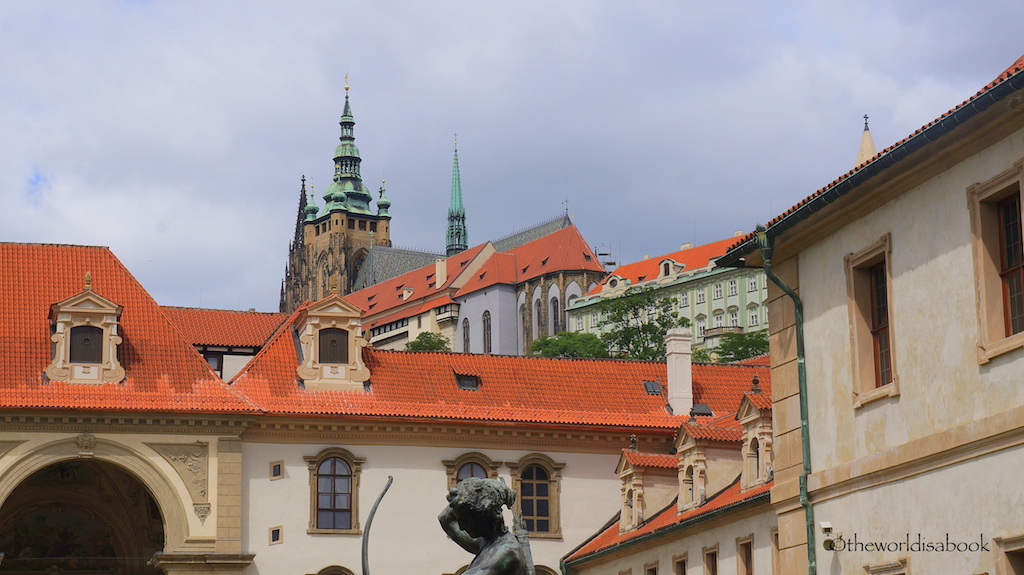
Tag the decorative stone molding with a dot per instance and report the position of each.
(6, 446)
(91, 311)
(86, 443)
(192, 463)
(202, 511)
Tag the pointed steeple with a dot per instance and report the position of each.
(347, 191)
(867, 145)
(458, 237)
(300, 217)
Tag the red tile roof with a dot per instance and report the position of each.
(163, 372)
(512, 388)
(667, 520)
(563, 250)
(387, 295)
(724, 428)
(659, 460)
(951, 117)
(760, 400)
(756, 360)
(224, 327)
(692, 259)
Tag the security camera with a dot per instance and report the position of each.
(829, 542)
(826, 527)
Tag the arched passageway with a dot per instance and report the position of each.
(80, 516)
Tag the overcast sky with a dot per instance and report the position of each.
(176, 132)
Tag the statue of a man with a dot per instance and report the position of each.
(473, 519)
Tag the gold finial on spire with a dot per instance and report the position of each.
(88, 281)
(346, 81)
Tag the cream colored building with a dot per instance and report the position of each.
(907, 269)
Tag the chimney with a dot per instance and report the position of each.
(440, 272)
(680, 376)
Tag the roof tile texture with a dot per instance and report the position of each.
(163, 372)
(224, 327)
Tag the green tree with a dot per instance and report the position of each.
(737, 346)
(428, 341)
(638, 321)
(570, 344)
(701, 355)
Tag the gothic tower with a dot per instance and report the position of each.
(458, 238)
(331, 244)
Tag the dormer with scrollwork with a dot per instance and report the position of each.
(330, 342)
(84, 338)
(709, 460)
(755, 414)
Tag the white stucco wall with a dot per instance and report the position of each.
(405, 535)
(500, 301)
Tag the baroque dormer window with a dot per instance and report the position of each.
(330, 342)
(755, 414)
(85, 336)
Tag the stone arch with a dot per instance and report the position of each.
(156, 481)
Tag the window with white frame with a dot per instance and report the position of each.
(684, 299)
(579, 323)
(734, 318)
(700, 295)
(753, 315)
(732, 287)
(719, 320)
(702, 326)
(718, 291)
(752, 283)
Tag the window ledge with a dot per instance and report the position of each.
(554, 535)
(334, 531)
(987, 353)
(887, 390)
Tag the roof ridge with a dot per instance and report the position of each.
(245, 311)
(59, 245)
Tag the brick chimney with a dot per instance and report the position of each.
(680, 376)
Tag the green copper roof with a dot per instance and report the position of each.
(458, 237)
(383, 204)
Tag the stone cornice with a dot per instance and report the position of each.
(78, 422)
(452, 434)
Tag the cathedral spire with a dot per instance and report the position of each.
(347, 191)
(458, 238)
(867, 145)
(300, 218)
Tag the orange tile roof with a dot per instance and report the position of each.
(668, 520)
(694, 258)
(943, 124)
(760, 400)
(756, 360)
(222, 327)
(563, 250)
(387, 295)
(659, 460)
(163, 371)
(722, 429)
(512, 388)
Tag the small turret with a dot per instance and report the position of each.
(383, 204)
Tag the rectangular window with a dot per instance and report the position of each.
(718, 291)
(734, 319)
(718, 320)
(684, 299)
(869, 293)
(711, 561)
(702, 325)
(579, 323)
(651, 569)
(276, 535)
(679, 565)
(745, 556)
(700, 295)
(593, 319)
(333, 345)
(753, 317)
(752, 283)
(996, 242)
(276, 469)
(732, 287)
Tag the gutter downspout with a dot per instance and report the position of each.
(766, 245)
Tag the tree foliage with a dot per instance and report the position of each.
(638, 321)
(701, 355)
(428, 341)
(570, 344)
(737, 346)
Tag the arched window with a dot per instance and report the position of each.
(536, 479)
(666, 269)
(86, 344)
(524, 317)
(470, 465)
(471, 469)
(753, 462)
(465, 335)
(334, 486)
(555, 316)
(487, 331)
(540, 331)
(688, 486)
(333, 345)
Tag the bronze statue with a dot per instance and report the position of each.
(473, 519)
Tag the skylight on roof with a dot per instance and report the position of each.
(468, 382)
(652, 387)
